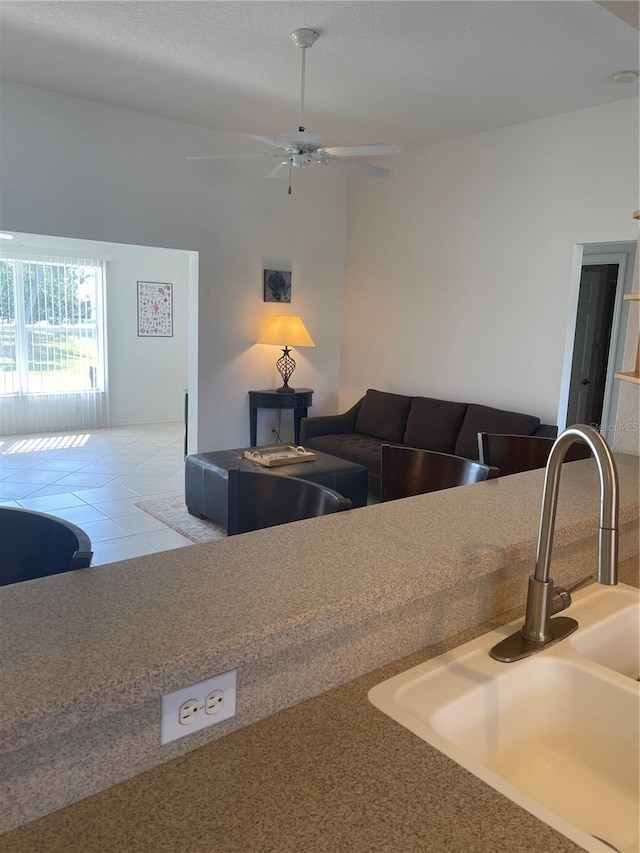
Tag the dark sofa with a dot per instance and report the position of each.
(384, 418)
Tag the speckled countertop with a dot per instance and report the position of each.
(137, 626)
(297, 609)
(330, 775)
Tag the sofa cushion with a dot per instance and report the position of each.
(350, 446)
(383, 415)
(486, 419)
(434, 424)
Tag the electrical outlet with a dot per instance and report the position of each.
(214, 703)
(188, 712)
(197, 706)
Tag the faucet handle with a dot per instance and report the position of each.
(579, 584)
(563, 599)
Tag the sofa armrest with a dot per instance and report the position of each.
(547, 431)
(329, 424)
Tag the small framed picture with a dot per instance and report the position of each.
(277, 286)
(155, 309)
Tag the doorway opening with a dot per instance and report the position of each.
(596, 336)
(598, 286)
(46, 343)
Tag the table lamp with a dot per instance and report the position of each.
(284, 330)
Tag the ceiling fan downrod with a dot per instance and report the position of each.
(303, 38)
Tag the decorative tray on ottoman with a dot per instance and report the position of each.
(278, 454)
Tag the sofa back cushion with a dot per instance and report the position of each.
(486, 419)
(383, 415)
(434, 424)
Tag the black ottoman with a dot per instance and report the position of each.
(206, 476)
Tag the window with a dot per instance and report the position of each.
(51, 331)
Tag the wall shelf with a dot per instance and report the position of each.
(628, 377)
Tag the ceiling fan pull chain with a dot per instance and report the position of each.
(289, 190)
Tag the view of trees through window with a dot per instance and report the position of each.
(50, 326)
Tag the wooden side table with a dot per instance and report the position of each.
(298, 400)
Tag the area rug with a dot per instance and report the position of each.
(174, 513)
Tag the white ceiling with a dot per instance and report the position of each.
(398, 71)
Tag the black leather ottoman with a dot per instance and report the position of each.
(206, 476)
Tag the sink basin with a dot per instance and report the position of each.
(557, 732)
(614, 642)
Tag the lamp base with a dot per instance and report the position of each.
(285, 365)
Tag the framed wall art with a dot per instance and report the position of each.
(155, 309)
(277, 286)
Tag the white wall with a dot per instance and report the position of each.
(78, 168)
(458, 266)
(147, 376)
(459, 263)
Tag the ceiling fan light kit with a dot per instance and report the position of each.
(302, 148)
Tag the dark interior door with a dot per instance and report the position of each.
(596, 302)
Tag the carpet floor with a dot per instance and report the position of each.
(173, 512)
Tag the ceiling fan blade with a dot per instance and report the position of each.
(353, 166)
(272, 142)
(279, 171)
(363, 150)
(225, 156)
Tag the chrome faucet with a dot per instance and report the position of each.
(539, 630)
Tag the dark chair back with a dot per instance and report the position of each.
(515, 453)
(258, 499)
(407, 471)
(35, 545)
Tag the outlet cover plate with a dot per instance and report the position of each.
(170, 726)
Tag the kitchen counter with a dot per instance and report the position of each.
(297, 610)
(330, 774)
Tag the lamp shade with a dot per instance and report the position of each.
(286, 330)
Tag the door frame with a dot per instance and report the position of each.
(586, 255)
(621, 260)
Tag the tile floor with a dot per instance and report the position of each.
(94, 479)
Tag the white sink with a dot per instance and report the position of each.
(558, 732)
(614, 642)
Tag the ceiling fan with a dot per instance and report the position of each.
(301, 149)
